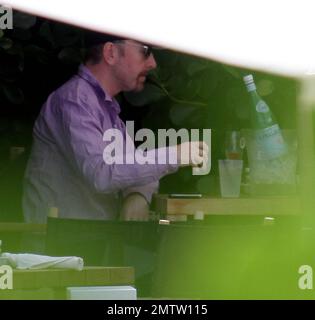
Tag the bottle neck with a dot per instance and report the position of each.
(254, 95)
(251, 87)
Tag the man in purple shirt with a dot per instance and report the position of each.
(66, 169)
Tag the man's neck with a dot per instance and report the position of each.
(104, 78)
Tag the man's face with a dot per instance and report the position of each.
(133, 65)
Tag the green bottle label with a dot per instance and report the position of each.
(270, 143)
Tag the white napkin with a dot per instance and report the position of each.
(35, 261)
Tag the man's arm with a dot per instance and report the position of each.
(146, 191)
(135, 207)
(137, 200)
(81, 140)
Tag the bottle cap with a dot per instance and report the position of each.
(248, 79)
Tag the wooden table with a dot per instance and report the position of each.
(51, 283)
(178, 209)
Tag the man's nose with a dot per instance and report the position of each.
(151, 62)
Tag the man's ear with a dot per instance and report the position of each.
(110, 53)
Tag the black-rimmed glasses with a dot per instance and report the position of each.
(146, 50)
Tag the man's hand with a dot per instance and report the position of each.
(193, 153)
(135, 207)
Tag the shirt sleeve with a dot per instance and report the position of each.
(81, 141)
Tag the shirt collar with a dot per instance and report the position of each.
(87, 75)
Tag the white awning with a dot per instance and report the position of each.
(274, 36)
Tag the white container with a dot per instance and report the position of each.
(102, 293)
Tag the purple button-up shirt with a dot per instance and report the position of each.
(66, 168)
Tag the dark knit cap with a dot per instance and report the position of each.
(93, 38)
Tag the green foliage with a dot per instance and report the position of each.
(23, 20)
(13, 94)
(70, 55)
(5, 43)
(32, 41)
(150, 94)
(197, 92)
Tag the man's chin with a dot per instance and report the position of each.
(139, 87)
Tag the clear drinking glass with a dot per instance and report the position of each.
(230, 172)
